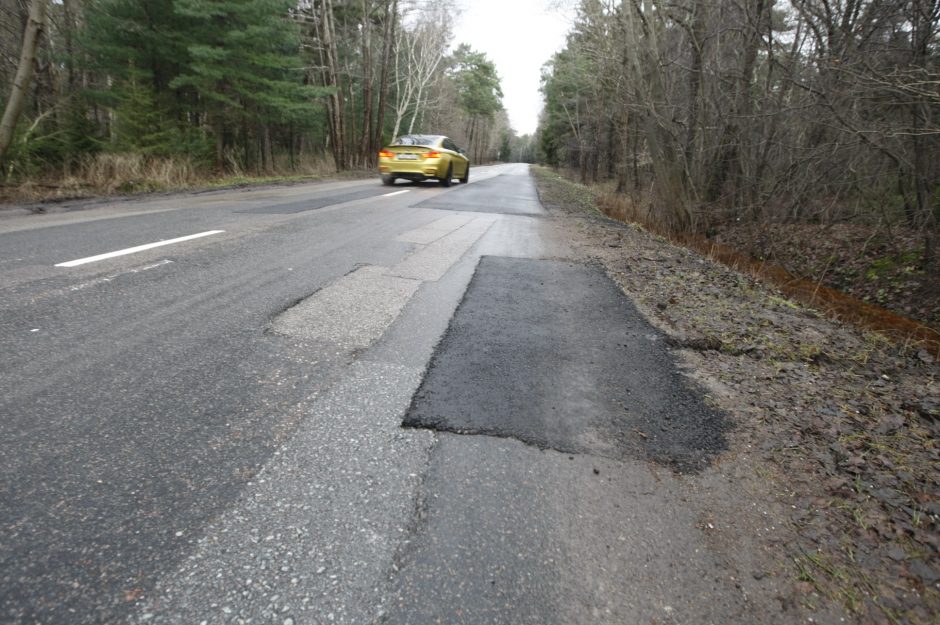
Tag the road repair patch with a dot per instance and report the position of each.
(553, 354)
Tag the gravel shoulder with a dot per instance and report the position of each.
(834, 429)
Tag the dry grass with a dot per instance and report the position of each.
(126, 173)
(122, 173)
(305, 165)
(624, 208)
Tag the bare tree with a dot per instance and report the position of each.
(759, 109)
(24, 73)
(420, 47)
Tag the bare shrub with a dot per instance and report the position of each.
(624, 208)
(126, 172)
(117, 173)
(305, 164)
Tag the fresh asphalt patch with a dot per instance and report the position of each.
(514, 195)
(317, 202)
(553, 354)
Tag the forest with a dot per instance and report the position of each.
(803, 132)
(126, 95)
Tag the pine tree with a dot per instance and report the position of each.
(245, 60)
(137, 48)
(141, 125)
(478, 93)
(146, 37)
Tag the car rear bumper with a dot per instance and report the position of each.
(417, 170)
(414, 177)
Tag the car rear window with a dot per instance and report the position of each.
(416, 140)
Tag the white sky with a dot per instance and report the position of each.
(519, 36)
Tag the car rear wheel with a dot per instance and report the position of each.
(387, 179)
(466, 176)
(445, 181)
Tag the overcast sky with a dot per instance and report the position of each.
(518, 36)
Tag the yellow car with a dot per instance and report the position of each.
(423, 157)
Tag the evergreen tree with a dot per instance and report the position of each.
(478, 89)
(245, 60)
(566, 82)
(479, 95)
(141, 125)
(80, 135)
(137, 49)
(146, 37)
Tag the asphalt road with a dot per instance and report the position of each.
(210, 430)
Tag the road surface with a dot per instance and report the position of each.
(341, 403)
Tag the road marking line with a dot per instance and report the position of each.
(396, 193)
(134, 250)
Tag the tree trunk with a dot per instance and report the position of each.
(246, 146)
(624, 137)
(24, 74)
(368, 78)
(291, 145)
(730, 160)
(925, 218)
(643, 26)
(267, 151)
(335, 103)
(219, 144)
(391, 14)
(470, 129)
(696, 42)
(70, 29)
(414, 115)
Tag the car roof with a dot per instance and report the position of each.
(417, 139)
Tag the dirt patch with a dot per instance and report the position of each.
(846, 421)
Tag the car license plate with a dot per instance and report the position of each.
(407, 157)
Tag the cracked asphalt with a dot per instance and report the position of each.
(211, 431)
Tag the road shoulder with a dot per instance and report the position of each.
(834, 429)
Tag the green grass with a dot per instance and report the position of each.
(558, 190)
(891, 264)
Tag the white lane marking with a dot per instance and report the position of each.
(139, 248)
(396, 193)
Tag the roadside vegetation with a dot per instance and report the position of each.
(840, 424)
(121, 96)
(801, 132)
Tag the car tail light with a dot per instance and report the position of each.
(432, 154)
(386, 154)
